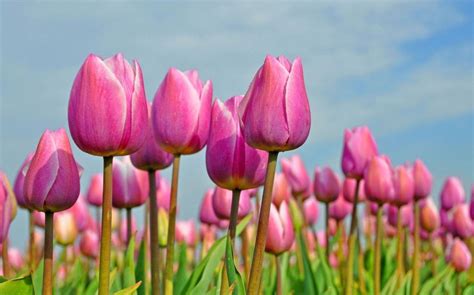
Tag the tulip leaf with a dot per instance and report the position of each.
(22, 286)
(233, 274)
(129, 264)
(129, 290)
(309, 283)
(37, 278)
(140, 269)
(428, 287)
(180, 277)
(75, 282)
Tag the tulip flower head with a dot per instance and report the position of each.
(348, 189)
(278, 88)
(130, 185)
(206, 213)
(378, 181)
(222, 203)
(296, 175)
(5, 212)
(340, 208)
(281, 189)
(429, 217)
(280, 235)
(423, 180)
(404, 185)
(359, 148)
(163, 193)
(94, 193)
(89, 244)
(462, 224)
(65, 228)
(15, 258)
(107, 107)
(20, 181)
(460, 257)
(311, 211)
(406, 215)
(452, 193)
(186, 233)
(81, 214)
(326, 185)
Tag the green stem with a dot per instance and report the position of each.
(256, 269)
(48, 255)
(129, 225)
(104, 261)
(433, 255)
(279, 290)
(231, 235)
(245, 252)
(416, 253)
(155, 250)
(352, 241)
(378, 246)
(458, 284)
(31, 242)
(328, 248)
(168, 285)
(400, 242)
(5, 260)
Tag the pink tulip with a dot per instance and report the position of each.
(89, 244)
(378, 181)
(311, 211)
(471, 206)
(461, 222)
(222, 203)
(326, 185)
(94, 193)
(206, 213)
(452, 193)
(130, 185)
(460, 257)
(151, 156)
(163, 193)
(107, 107)
(348, 190)
(208, 233)
(181, 112)
(39, 218)
(15, 257)
(281, 190)
(404, 185)
(123, 229)
(231, 163)
(65, 228)
(20, 180)
(429, 217)
(406, 215)
(359, 148)
(280, 235)
(186, 233)
(52, 180)
(296, 175)
(5, 212)
(340, 208)
(275, 113)
(423, 180)
(81, 213)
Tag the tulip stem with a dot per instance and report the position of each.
(352, 240)
(48, 254)
(264, 214)
(97, 214)
(104, 260)
(416, 252)
(5, 260)
(279, 290)
(378, 248)
(168, 278)
(245, 252)
(458, 283)
(155, 250)
(31, 242)
(433, 255)
(129, 224)
(328, 250)
(234, 210)
(400, 242)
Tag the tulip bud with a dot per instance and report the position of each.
(461, 222)
(471, 207)
(340, 208)
(181, 112)
(281, 189)
(404, 185)
(222, 203)
(311, 211)
(378, 181)
(280, 235)
(423, 180)
(186, 233)
(278, 88)
(20, 180)
(81, 214)
(94, 193)
(90, 244)
(162, 227)
(52, 180)
(206, 213)
(65, 228)
(231, 163)
(406, 215)
(5, 212)
(452, 193)
(429, 217)
(130, 185)
(348, 190)
(359, 148)
(15, 258)
(326, 185)
(107, 107)
(296, 175)
(11, 195)
(460, 257)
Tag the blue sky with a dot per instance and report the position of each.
(404, 69)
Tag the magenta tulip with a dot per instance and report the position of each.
(222, 203)
(429, 217)
(186, 233)
(460, 257)
(404, 186)
(20, 180)
(281, 190)
(107, 107)
(130, 185)
(326, 185)
(423, 180)
(340, 208)
(462, 223)
(348, 190)
(206, 213)
(406, 215)
(452, 193)
(311, 211)
(96, 187)
(89, 244)
(359, 148)
(52, 181)
(81, 214)
(278, 88)
(296, 174)
(5, 212)
(471, 206)
(378, 181)
(280, 235)
(231, 163)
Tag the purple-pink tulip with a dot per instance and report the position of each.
(423, 180)
(348, 189)
(406, 215)
(89, 244)
(378, 181)
(52, 180)
(130, 185)
(181, 112)
(340, 208)
(281, 190)
(20, 181)
(311, 211)
(462, 223)
(206, 213)
(429, 217)
(94, 193)
(404, 186)
(275, 112)
(81, 214)
(452, 193)
(222, 203)
(460, 257)
(326, 185)
(280, 235)
(471, 206)
(5, 212)
(231, 163)
(359, 148)
(186, 233)
(296, 175)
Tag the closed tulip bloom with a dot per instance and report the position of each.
(151, 156)
(429, 217)
(208, 233)
(326, 185)
(340, 208)
(406, 215)
(11, 195)
(471, 207)
(65, 228)
(52, 180)
(181, 112)
(81, 214)
(404, 185)
(460, 257)
(275, 113)
(89, 244)
(163, 193)
(186, 233)
(281, 189)
(280, 235)
(130, 185)
(206, 213)
(423, 180)
(359, 148)
(452, 193)
(348, 190)
(378, 181)
(222, 203)
(20, 180)
(461, 222)
(94, 193)
(15, 258)
(296, 174)
(107, 107)
(311, 211)
(231, 163)
(5, 212)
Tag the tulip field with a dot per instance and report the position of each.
(383, 229)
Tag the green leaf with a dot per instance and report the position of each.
(37, 278)
(129, 290)
(76, 280)
(309, 283)
(428, 287)
(181, 276)
(19, 286)
(129, 265)
(140, 269)
(232, 271)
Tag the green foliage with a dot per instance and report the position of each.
(20, 286)
(140, 269)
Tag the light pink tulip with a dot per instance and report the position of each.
(222, 203)
(280, 235)
(378, 181)
(20, 180)
(5, 212)
(186, 233)
(15, 257)
(296, 174)
(281, 189)
(340, 208)
(206, 213)
(163, 193)
(311, 211)
(461, 222)
(452, 193)
(89, 244)
(94, 193)
(359, 148)
(423, 180)
(460, 257)
(404, 185)
(348, 190)
(130, 185)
